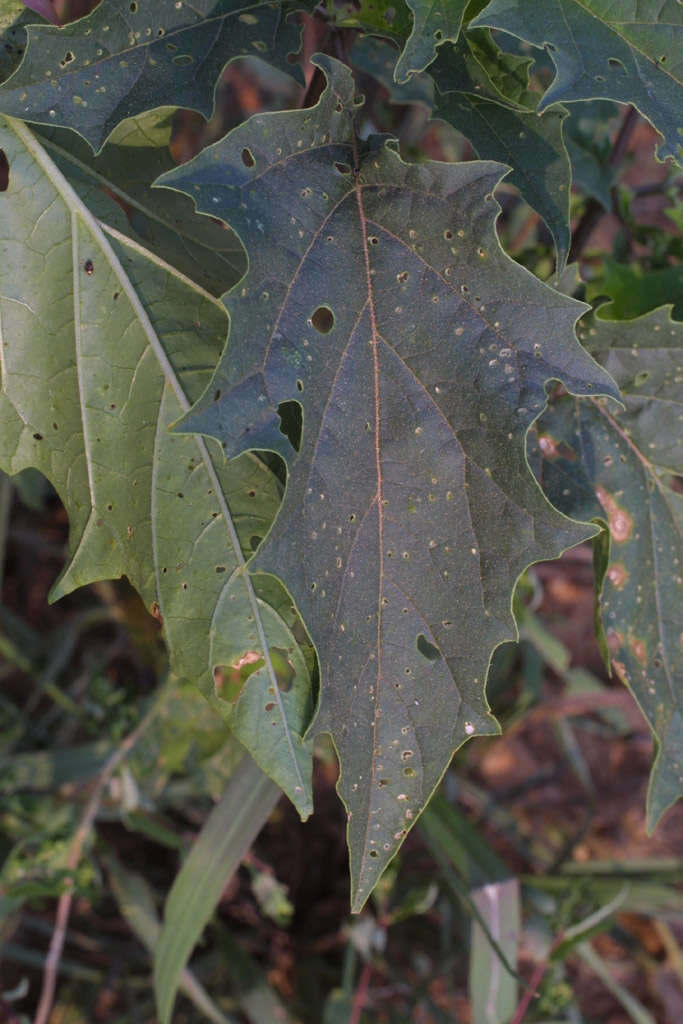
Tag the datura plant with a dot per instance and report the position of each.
(296, 392)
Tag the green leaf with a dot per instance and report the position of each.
(434, 22)
(116, 188)
(376, 57)
(533, 146)
(103, 347)
(635, 291)
(592, 469)
(418, 353)
(226, 836)
(14, 18)
(645, 357)
(587, 135)
(125, 57)
(632, 53)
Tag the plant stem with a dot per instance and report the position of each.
(78, 842)
(361, 993)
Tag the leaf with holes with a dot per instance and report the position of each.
(434, 22)
(417, 354)
(611, 51)
(592, 469)
(103, 346)
(126, 57)
(116, 188)
(468, 98)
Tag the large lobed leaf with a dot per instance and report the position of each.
(608, 49)
(126, 57)
(434, 23)
(103, 346)
(418, 353)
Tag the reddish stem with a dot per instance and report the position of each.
(361, 993)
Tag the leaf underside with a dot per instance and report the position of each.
(606, 50)
(103, 346)
(125, 57)
(418, 353)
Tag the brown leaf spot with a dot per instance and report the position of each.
(639, 649)
(620, 670)
(618, 574)
(156, 612)
(130, 531)
(615, 640)
(620, 522)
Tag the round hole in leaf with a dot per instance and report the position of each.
(342, 168)
(254, 541)
(248, 158)
(323, 319)
(426, 649)
(89, 267)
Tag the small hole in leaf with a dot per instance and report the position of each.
(217, 395)
(220, 569)
(116, 295)
(183, 59)
(89, 268)
(248, 158)
(291, 422)
(254, 541)
(427, 650)
(38, 437)
(438, 35)
(4, 171)
(374, 853)
(299, 385)
(323, 319)
(383, 782)
(641, 377)
(342, 168)
(359, 100)
(133, 7)
(408, 772)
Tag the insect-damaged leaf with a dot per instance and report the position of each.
(126, 57)
(103, 346)
(592, 469)
(610, 51)
(418, 353)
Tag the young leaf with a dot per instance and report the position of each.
(434, 22)
(126, 57)
(103, 346)
(418, 353)
(592, 469)
(606, 51)
(116, 188)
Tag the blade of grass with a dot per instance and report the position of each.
(635, 1009)
(136, 903)
(222, 843)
